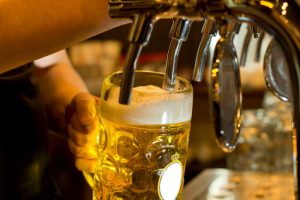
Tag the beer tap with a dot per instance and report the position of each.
(178, 34)
(279, 18)
(259, 46)
(276, 72)
(143, 13)
(139, 36)
(225, 87)
(252, 31)
(208, 31)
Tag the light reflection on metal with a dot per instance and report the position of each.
(285, 20)
(208, 31)
(225, 86)
(284, 8)
(267, 4)
(283, 12)
(215, 71)
(284, 5)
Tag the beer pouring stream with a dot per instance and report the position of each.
(279, 18)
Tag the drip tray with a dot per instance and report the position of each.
(223, 184)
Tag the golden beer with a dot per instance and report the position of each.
(142, 147)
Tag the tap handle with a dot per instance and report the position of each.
(139, 36)
(208, 31)
(179, 33)
(276, 71)
(225, 94)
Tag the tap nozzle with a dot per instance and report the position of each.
(139, 36)
(178, 34)
(259, 46)
(252, 31)
(208, 31)
(245, 48)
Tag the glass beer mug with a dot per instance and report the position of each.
(142, 147)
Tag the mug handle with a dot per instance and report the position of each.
(89, 177)
(101, 144)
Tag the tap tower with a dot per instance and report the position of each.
(280, 18)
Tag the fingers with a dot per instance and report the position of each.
(85, 156)
(76, 124)
(84, 116)
(86, 165)
(77, 137)
(83, 138)
(85, 107)
(86, 151)
(83, 125)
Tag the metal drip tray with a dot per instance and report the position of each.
(223, 184)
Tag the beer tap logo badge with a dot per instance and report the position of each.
(170, 179)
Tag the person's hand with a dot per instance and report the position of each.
(83, 124)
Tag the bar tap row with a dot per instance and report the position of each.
(223, 17)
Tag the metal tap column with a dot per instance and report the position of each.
(139, 36)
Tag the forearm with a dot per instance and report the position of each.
(31, 29)
(58, 85)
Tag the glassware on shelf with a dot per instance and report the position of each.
(265, 140)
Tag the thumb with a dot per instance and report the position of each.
(85, 107)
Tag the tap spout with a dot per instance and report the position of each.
(179, 33)
(279, 18)
(208, 31)
(139, 37)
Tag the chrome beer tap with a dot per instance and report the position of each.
(253, 31)
(178, 34)
(280, 18)
(143, 13)
(139, 36)
(208, 31)
(225, 86)
(259, 45)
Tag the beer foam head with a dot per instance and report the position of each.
(149, 105)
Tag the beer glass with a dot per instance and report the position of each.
(142, 147)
